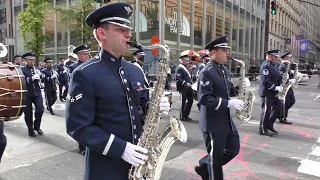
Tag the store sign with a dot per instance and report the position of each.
(173, 23)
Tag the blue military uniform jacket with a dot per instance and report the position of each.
(74, 66)
(49, 84)
(102, 117)
(62, 76)
(269, 79)
(183, 76)
(214, 91)
(32, 86)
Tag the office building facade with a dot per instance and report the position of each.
(199, 21)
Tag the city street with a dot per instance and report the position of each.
(292, 154)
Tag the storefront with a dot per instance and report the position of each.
(181, 24)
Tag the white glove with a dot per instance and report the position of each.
(133, 154)
(292, 81)
(247, 82)
(65, 71)
(279, 88)
(188, 85)
(53, 76)
(164, 104)
(236, 104)
(36, 76)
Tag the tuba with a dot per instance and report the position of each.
(70, 51)
(243, 94)
(158, 145)
(3, 50)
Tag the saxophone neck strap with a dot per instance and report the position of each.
(130, 93)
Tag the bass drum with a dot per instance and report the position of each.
(194, 88)
(13, 91)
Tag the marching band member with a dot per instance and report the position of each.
(100, 112)
(50, 87)
(219, 131)
(269, 86)
(82, 52)
(290, 99)
(138, 61)
(34, 96)
(63, 80)
(17, 60)
(184, 83)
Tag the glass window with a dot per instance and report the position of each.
(234, 30)
(186, 21)
(149, 19)
(49, 31)
(241, 30)
(62, 31)
(3, 17)
(227, 22)
(2, 1)
(219, 21)
(209, 21)
(198, 14)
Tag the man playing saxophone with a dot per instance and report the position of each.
(219, 131)
(107, 98)
(269, 86)
(289, 98)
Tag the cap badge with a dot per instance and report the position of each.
(128, 9)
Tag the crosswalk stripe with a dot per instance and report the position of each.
(309, 167)
(318, 140)
(316, 151)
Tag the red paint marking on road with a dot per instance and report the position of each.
(284, 172)
(190, 173)
(293, 127)
(312, 119)
(240, 158)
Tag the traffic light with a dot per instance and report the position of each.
(103, 1)
(273, 7)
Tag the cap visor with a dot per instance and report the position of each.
(119, 24)
(30, 57)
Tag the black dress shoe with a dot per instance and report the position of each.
(39, 131)
(83, 152)
(266, 133)
(62, 100)
(285, 121)
(32, 134)
(52, 113)
(272, 130)
(203, 172)
(189, 119)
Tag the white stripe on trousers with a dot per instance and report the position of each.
(211, 155)
(265, 110)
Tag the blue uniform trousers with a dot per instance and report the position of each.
(3, 141)
(290, 100)
(38, 103)
(66, 87)
(186, 102)
(221, 148)
(271, 110)
(51, 99)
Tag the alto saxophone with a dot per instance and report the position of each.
(158, 145)
(245, 95)
(286, 86)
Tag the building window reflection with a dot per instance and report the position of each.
(198, 14)
(209, 22)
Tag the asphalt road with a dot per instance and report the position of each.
(293, 154)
